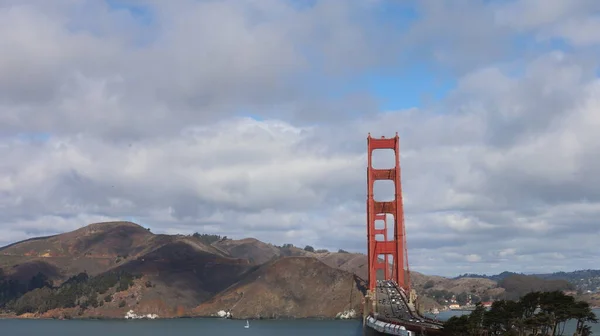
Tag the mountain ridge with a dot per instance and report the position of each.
(585, 279)
(191, 275)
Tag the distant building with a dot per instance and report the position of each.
(487, 304)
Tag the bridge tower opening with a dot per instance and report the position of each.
(394, 247)
(382, 265)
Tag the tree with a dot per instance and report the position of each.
(457, 326)
(582, 312)
(536, 313)
(79, 290)
(309, 248)
(208, 238)
(475, 320)
(462, 298)
(93, 300)
(38, 281)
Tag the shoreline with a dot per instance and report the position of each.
(90, 318)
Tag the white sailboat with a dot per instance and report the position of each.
(247, 324)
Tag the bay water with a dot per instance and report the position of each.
(179, 327)
(217, 327)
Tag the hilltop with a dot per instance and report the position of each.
(583, 280)
(107, 269)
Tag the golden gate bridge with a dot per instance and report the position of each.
(390, 306)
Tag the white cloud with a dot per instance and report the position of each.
(473, 258)
(575, 21)
(146, 123)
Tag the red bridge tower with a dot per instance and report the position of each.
(377, 210)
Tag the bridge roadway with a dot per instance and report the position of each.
(392, 307)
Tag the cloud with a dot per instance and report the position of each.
(573, 21)
(141, 112)
(199, 61)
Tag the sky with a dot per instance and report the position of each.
(249, 118)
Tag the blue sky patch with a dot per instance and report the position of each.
(34, 137)
(143, 14)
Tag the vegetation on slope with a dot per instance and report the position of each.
(473, 290)
(536, 313)
(208, 238)
(495, 277)
(39, 296)
(583, 280)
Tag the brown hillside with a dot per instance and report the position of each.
(95, 249)
(259, 253)
(592, 298)
(101, 240)
(297, 287)
(418, 280)
(518, 285)
(252, 249)
(252, 278)
(478, 286)
(186, 272)
(349, 262)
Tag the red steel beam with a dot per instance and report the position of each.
(382, 264)
(395, 247)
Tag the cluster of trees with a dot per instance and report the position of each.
(536, 313)
(309, 248)
(38, 294)
(12, 289)
(496, 277)
(208, 238)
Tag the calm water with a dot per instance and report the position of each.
(178, 327)
(217, 327)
